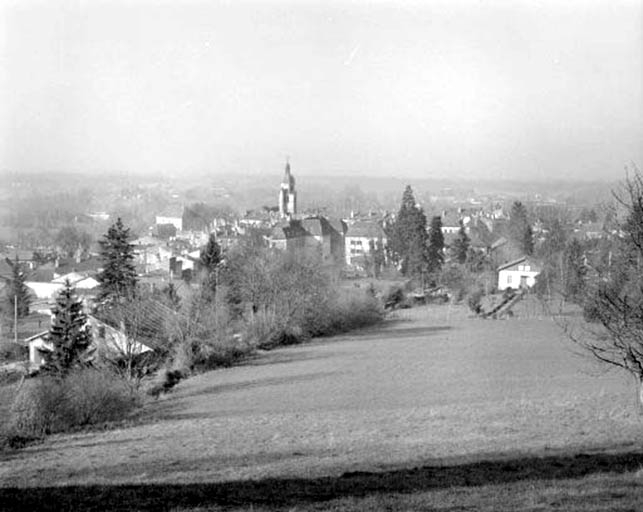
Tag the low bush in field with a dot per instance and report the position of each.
(474, 300)
(10, 351)
(48, 404)
(354, 310)
(346, 310)
(394, 298)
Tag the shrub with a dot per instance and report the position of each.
(205, 338)
(84, 397)
(10, 351)
(474, 301)
(352, 311)
(166, 380)
(394, 297)
(267, 329)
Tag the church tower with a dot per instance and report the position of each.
(287, 195)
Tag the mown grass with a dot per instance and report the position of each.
(428, 440)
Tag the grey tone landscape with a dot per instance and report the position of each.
(302, 256)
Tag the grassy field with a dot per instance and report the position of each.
(434, 410)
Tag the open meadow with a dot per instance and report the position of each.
(432, 410)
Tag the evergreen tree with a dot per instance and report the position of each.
(17, 293)
(520, 232)
(460, 248)
(378, 258)
(435, 252)
(575, 271)
(69, 333)
(408, 237)
(210, 260)
(118, 277)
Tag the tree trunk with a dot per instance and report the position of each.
(639, 382)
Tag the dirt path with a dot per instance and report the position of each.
(431, 386)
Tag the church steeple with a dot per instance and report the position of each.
(287, 194)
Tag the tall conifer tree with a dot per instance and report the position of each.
(17, 296)
(118, 277)
(408, 237)
(520, 231)
(210, 260)
(575, 271)
(460, 248)
(435, 251)
(69, 333)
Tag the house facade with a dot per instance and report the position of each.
(105, 340)
(312, 235)
(520, 273)
(172, 215)
(362, 238)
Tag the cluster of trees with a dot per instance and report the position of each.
(418, 251)
(250, 296)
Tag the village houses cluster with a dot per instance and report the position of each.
(170, 252)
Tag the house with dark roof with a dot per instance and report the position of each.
(313, 234)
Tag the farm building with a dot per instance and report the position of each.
(519, 273)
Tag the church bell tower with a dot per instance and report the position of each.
(287, 195)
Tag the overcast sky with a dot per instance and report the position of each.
(492, 89)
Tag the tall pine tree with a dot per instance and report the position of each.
(210, 260)
(118, 277)
(575, 271)
(520, 231)
(408, 236)
(435, 251)
(17, 296)
(69, 333)
(460, 247)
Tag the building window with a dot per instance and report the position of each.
(508, 278)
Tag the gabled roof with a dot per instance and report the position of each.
(92, 264)
(279, 232)
(518, 261)
(173, 210)
(365, 229)
(313, 226)
(42, 274)
(73, 278)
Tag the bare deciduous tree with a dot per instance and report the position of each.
(614, 303)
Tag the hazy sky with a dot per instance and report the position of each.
(524, 90)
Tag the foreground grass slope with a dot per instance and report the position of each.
(483, 410)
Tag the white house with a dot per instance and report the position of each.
(172, 215)
(520, 273)
(49, 290)
(362, 238)
(105, 340)
(78, 281)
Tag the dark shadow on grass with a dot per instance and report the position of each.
(284, 355)
(172, 405)
(393, 332)
(301, 491)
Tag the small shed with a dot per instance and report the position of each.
(518, 274)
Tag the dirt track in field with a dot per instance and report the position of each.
(432, 386)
